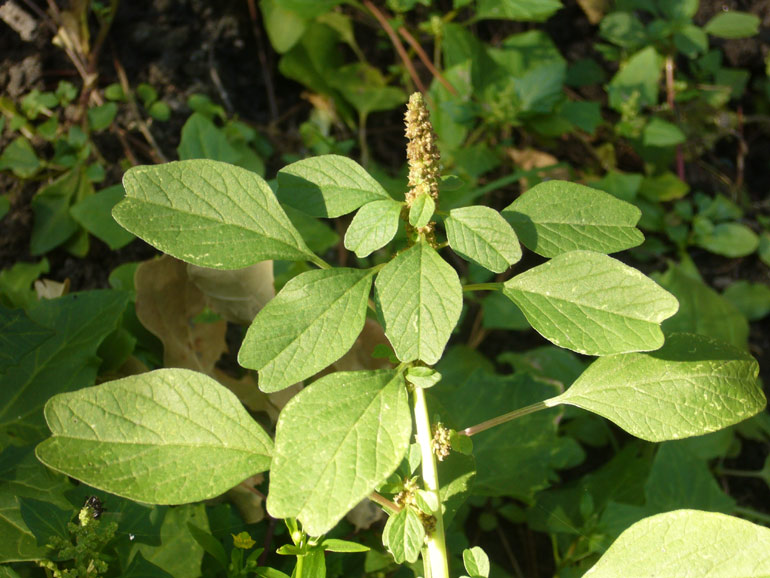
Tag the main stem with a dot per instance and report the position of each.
(434, 555)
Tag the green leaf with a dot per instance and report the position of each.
(202, 139)
(20, 158)
(208, 213)
(327, 186)
(729, 240)
(482, 235)
(476, 562)
(51, 205)
(556, 216)
(209, 544)
(421, 210)
(519, 10)
(702, 310)
(660, 133)
(335, 441)
(8, 572)
(18, 336)
(335, 545)
(5, 206)
(733, 24)
(691, 386)
(312, 322)
(751, 299)
(64, 362)
(101, 117)
(640, 76)
(18, 543)
(318, 236)
(169, 436)
(688, 543)
(517, 458)
(179, 554)
(423, 377)
(141, 568)
(681, 479)
(45, 520)
(94, 214)
(404, 536)
(374, 226)
(284, 27)
(419, 298)
(365, 88)
(592, 304)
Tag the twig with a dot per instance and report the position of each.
(262, 54)
(509, 552)
(426, 61)
(396, 41)
(157, 153)
(670, 101)
(384, 502)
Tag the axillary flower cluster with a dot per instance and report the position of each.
(422, 155)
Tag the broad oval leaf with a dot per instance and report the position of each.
(422, 210)
(327, 186)
(686, 543)
(555, 217)
(404, 535)
(419, 298)
(482, 235)
(335, 441)
(691, 386)
(312, 322)
(592, 304)
(208, 213)
(170, 436)
(733, 24)
(373, 227)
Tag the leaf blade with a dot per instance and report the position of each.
(208, 213)
(592, 304)
(142, 437)
(482, 235)
(555, 217)
(362, 414)
(316, 317)
(691, 386)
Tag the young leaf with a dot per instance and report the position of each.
(336, 545)
(208, 213)
(328, 186)
(691, 386)
(476, 562)
(373, 227)
(404, 535)
(93, 214)
(349, 431)
(592, 304)
(482, 235)
(688, 543)
(733, 24)
(421, 210)
(312, 322)
(556, 216)
(169, 436)
(419, 297)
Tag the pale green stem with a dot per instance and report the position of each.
(320, 262)
(740, 473)
(483, 287)
(298, 568)
(490, 423)
(434, 553)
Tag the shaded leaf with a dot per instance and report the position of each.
(94, 214)
(327, 186)
(64, 362)
(18, 336)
